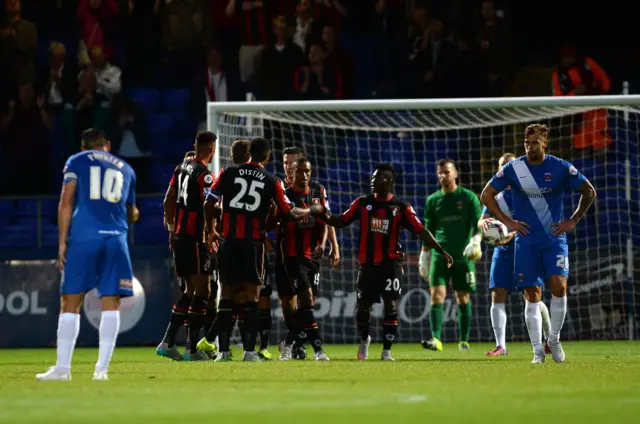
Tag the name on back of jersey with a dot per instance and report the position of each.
(106, 157)
(251, 173)
(379, 225)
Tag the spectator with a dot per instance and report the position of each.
(307, 29)
(464, 77)
(24, 129)
(127, 131)
(143, 34)
(494, 49)
(579, 76)
(59, 81)
(184, 38)
(97, 22)
(213, 85)
(317, 81)
(18, 43)
(55, 18)
(339, 59)
(436, 60)
(106, 76)
(278, 63)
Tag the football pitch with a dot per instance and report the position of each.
(600, 382)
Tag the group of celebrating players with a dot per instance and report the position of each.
(217, 232)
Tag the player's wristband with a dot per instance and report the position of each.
(170, 228)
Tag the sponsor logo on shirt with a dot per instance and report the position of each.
(379, 225)
(536, 193)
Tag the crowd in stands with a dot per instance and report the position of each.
(66, 65)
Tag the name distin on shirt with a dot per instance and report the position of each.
(106, 157)
(251, 173)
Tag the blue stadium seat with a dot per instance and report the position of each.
(49, 207)
(27, 208)
(149, 230)
(6, 208)
(146, 98)
(175, 98)
(151, 205)
(23, 233)
(183, 123)
(49, 235)
(162, 173)
(172, 148)
(160, 123)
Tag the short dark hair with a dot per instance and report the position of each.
(387, 167)
(92, 138)
(239, 149)
(189, 155)
(302, 160)
(293, 150)
(205, 137)
(443, 162)
(260, 149)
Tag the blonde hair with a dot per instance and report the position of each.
(540, 129)
(506, 156)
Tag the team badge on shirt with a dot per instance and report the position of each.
(547, 176)
(394, 211)
(208, 179)
(573, 170)
(459, 204)
(500, 174)
(315, 201)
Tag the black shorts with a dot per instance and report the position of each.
(380, 281)
(241, 262)
(267, 288)
(296, 276)
(192, 258)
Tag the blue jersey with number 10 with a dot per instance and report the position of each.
(537, 192)
(105, 185)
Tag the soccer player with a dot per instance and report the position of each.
(301, 244)
(187, 220)
(502, 280)
(289, 157)
(538, 182)
(382, 216)
(247, 192)
(97, 201)
(167, 346)
(452, 214)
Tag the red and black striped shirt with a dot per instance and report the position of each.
(247, 192)
(298, 239)
(192, 180)
(380, 223)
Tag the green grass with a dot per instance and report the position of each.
(599, 382)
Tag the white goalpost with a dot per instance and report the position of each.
(345, 139)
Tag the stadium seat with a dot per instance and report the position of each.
(183, 123)
(175, 99)
(162, 172)
(23, 233)
(145, 98)
(6, 209)
(151, 205)
(149, 230)
(171, 148)
(49, 207)
(160, 123)
(27, 208)
(49, 235)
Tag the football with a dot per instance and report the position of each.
(495, 233)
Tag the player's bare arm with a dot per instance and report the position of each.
(65, 211)
(169, 204)
(428, 239)
(210, 224)
(488, 199)
(319, 250)
(588, 195)
(334, 255)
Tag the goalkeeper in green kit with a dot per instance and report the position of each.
(452, 215)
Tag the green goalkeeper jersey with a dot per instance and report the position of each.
(453, 218)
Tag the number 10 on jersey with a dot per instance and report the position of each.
(108, 187)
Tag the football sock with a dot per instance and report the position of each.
(251, 322)
(225, 323)
(241, 311)
(265, 327)
(196, 318)
(546, 320)
(558, 311)
(363, 321)
(289, 320)
(109, 328)
(499, 323)
(178, 316)
(310, 327)
(390, 329)
(436, 315)
(68, 329)
(210, 324)
(533, 319)
(464, 321)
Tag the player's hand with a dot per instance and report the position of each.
(447, 257)
(334, 257)
(423, 265)
(317, 210)
(473, 251)
(560, 228)
(62, 256)
(318, 252)
(518, 226)
(507, 239)
(483, 224)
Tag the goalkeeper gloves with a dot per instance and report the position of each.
(473, 251)
(423, 265)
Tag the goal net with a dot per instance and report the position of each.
(344, 141)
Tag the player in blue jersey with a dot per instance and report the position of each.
(96, 204)
(501, 278)
(538, 182)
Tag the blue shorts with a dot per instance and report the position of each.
(501, 276)
(103, 263)
(536, 263)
